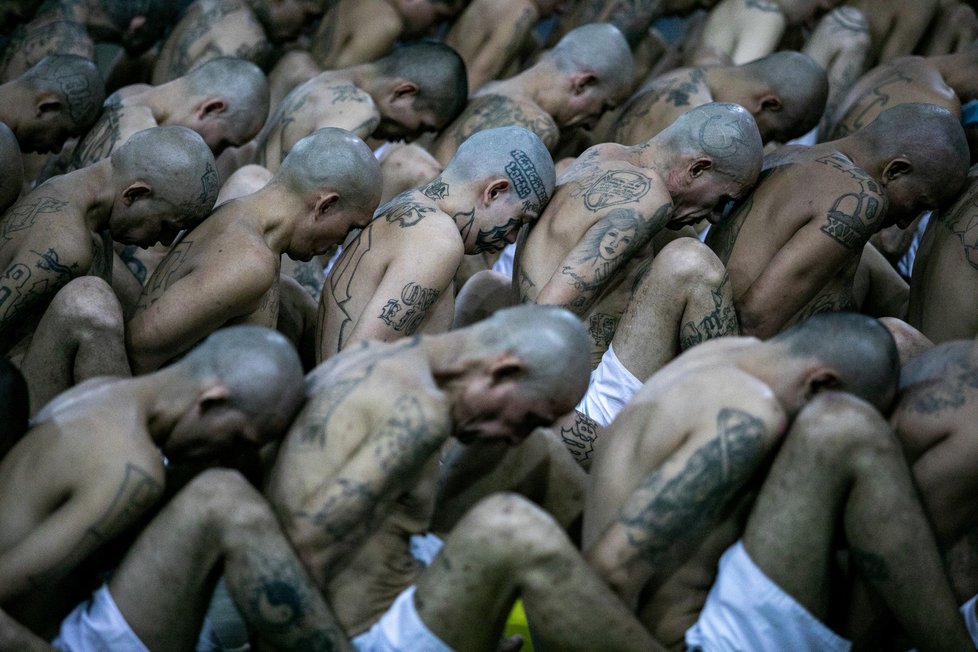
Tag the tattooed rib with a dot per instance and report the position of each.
(666, 510)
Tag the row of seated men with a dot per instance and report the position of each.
(262, 388)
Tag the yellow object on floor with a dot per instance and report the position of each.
(516, 624)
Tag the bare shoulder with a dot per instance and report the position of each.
(493, 109)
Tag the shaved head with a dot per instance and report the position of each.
(177, 165)
(437, 70)
(599, 48)
(77, 84)
(11, 168)
(802, 86)
(332, 159)
(243, 87)
(551, 341)
(258, 365)
(512, 152)
(726, 133)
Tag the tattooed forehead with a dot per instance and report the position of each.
(526, 180)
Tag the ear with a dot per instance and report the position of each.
(210, 107)
(404, 89)
(134, 191)
(212, 397)
(47, 103)
(493, 190)
(136, 24)
(820, 380)
(898, 167)
(582, 80)
(769, 102)
(505, 368)
(325, 202)
(699, 166)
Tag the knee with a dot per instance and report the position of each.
(687, 261)
(844, 430)
(225, 502)
(512, 530)
(88, 306)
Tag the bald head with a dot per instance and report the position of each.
(552, 343)
(802, 87)
(75, 82)
(11, 168)
(243, 88)
(438, 72)
(511, 152)
(726, 133)
(177, 165)
(598, 48)
(332, 159)
(259, 367)
(931, 140)
(859, 348)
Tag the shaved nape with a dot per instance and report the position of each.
(77, 83)
(600, 48)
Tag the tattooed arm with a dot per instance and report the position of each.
(814, 254)
(600, 254)
(98, 508)
(412, 284)
(173, 316)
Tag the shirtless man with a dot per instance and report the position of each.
(493, 38)
(246, 29)
(161, 181)
(896, 26)
(945, 274)
(70, 27)
(632, 17)
(355, 479)
(58, 98)
(11, 168)
(585, 74)
(394, 278)
(948, 81)
(90, 470)
(791, 253)
(353, 32)
(614, 199)
(661, 510)
(226, 271)
(784, 91)
(954, 29)
(415, 89)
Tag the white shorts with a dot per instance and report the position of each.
(610, 388)
(400, 630)
(504, 264)
(97, 625)
(747, 612)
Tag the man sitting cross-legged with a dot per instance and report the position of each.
(394, 278)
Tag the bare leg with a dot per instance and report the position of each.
(483, 294)
(841, 463)
(16, 637)
(220, 521)
(504, 548)
(80, 336)
(684, 299)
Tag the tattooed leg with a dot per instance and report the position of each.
(219, 521)
(506, 547)
(80, 336)
(685, 298)
(841, 464)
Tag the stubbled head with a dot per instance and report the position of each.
(421, 17)
(530, 365)
(68, 93)
(919, 154)
(598, 71)
(249, 386)
(512, 174)
(141, 23)
(11, 168)
(339, 181)
(426, 88)
(166, 181)
(716, 155)
(854, 353)
(285, 20)
(797, 88)
(227, 102)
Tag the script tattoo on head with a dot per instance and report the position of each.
(526, 181)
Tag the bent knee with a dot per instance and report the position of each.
(511, 526)
(687, 259)
(840, 425)
(89, 301)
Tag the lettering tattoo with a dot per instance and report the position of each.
(490, 111)
(616, 187)
(664, 511)
(962, 221)
(872, 103)
(405, 315)
(24, 215)
(720, 321)
(526, 180)
(580, 438)
(601, 329)
(404, 212)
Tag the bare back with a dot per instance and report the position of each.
(659, 104)
(738, 31)
(394, 277)
(355, 31)
(793, 245)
